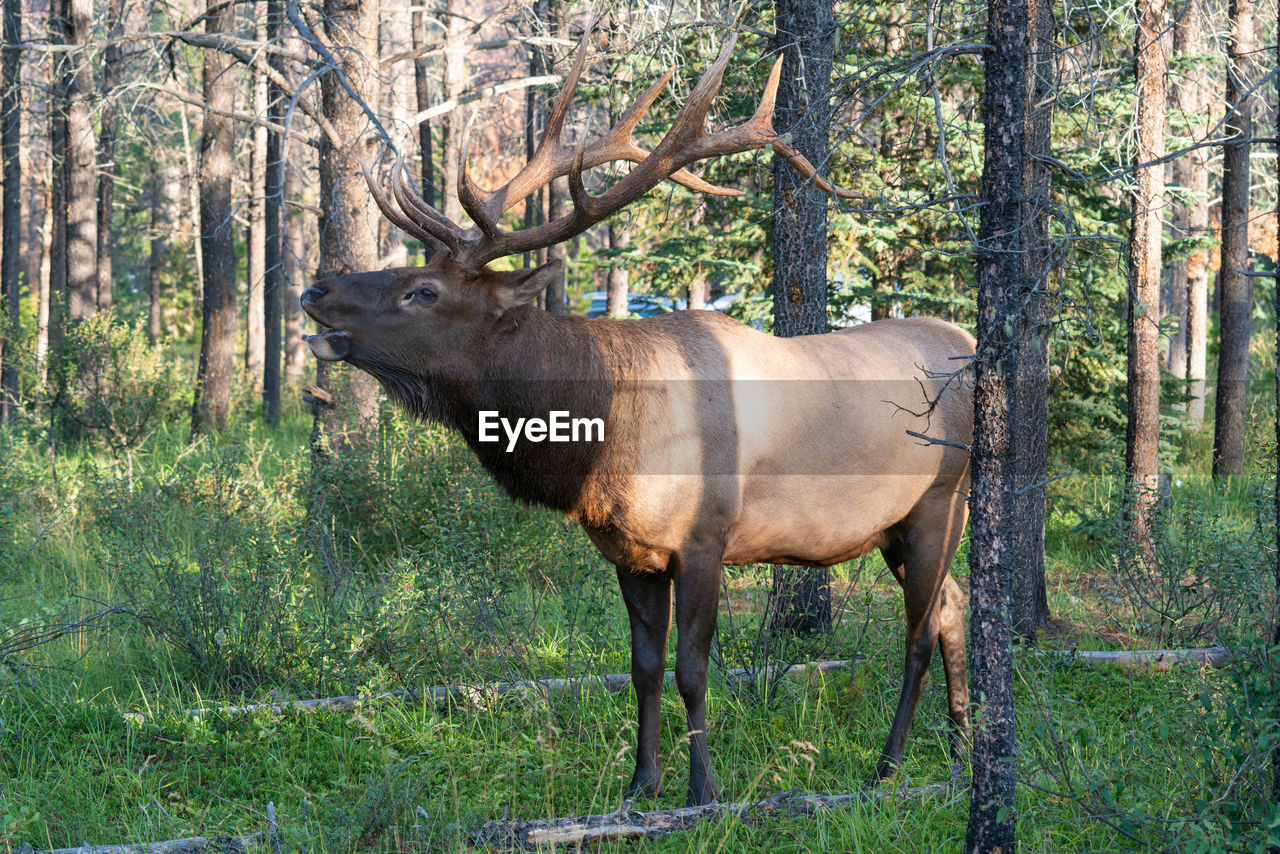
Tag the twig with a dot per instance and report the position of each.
(932, 441)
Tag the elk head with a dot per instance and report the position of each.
(429, 320)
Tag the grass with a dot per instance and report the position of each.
(439, 579)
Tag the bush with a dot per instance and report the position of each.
(111, 382)
(1204, 574)
(206, 557)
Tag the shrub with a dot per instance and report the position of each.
(1203, 573)
(113, 383)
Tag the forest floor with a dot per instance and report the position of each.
(228, 593)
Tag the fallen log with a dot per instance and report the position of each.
(626, 823)
(1155, 659)
(190, 845)
(1161, 660)
(489, 690)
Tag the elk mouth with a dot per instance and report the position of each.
(331, 345)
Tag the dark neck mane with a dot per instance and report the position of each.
(532, 364)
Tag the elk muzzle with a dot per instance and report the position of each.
(328, 345)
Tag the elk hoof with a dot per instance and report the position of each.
(643, 788)
(708, 793)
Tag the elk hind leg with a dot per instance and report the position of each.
(920, 560)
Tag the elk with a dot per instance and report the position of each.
(722, 445)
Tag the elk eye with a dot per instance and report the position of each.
(424, 295)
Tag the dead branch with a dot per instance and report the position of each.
(627, 823)
(235, 115)
(933, 441)
(480, 94)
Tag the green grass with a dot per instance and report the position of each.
(439, 579)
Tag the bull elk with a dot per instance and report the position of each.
(721, 444)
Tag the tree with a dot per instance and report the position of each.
(112, 59)
(1236, 289)
(1142, 438)
(217, 141)
(158, 249)
(1191, 175)
(256, 243)
(11, 212)
(296, 355)
(557, 190)
(802, 597)
(1030, 600)
(79, 210)
(273, 230)
(422, 92)
(348, 238)
(618, 279)
(1006, 232)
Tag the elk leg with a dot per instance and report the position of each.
(697, 582)
(648, 599)
(920, 561)
(951, 639)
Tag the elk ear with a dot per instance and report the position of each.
(523, 286)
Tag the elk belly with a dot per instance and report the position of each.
(558, 426)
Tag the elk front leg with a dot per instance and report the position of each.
(648, 599)
(697, 582)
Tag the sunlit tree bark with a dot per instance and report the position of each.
(1236, 289)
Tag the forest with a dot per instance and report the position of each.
(830, 278)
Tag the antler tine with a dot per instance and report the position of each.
(617, 144)
(542, 167)
(801, 164)
(398, 219)
(427, 217)
(474, 199)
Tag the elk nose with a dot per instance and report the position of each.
(312, 294)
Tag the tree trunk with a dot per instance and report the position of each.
(272, 230)
(155, 259)
(217, 141)
(452, 83)
(1191, 176)
(1236, 289)
(79, 164)
(1031, 412)
(618, 279)
(422, 89)
(348, 236)
(802, 596)
(193, 196)
(532, 103)
(112, 59)
(51, 281)
(556, 292)
(1275, 614)
(1142, 438)
(296, 355)
(255, 291)
(1004, 233)
(11, 213)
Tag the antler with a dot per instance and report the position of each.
(686, 142)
